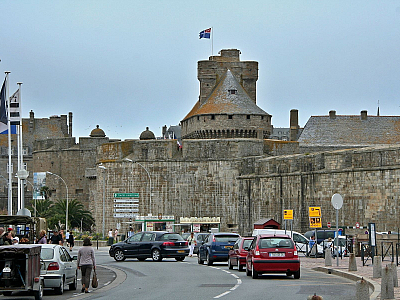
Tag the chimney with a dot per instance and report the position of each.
(363, 115)
(294, 124)
(70, 124)
(332, 114)
(31, 120)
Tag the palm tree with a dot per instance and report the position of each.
(76, 213)
(43, 208)
(45, 192)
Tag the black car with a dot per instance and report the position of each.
(154, 244)
(216, 247)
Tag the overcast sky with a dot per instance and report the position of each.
(126, 65)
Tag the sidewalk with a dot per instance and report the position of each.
(365, 272)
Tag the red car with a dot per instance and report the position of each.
(272, 254)
(237, 256)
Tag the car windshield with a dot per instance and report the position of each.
(342, 242)
(47, 253)
(226, 238)
(185, 235)
(275, 242)
(201, 237)
(171, 237)
(246, 243)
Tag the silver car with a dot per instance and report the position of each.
(58, 268)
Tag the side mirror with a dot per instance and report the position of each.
(75, 257)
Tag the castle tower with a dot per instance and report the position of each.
(227, 102)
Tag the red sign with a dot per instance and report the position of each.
(357, 225)
(329, 224)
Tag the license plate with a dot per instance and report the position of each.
(181, 251)
(228, 247)
(279, 254)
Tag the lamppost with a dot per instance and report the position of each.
(148, 174)
(104, 198)
(33, 193)
(66, 187)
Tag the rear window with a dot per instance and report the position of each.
(171, 237)
(201, 237)
(47, 253)
(226, 238)
(247, 243)
(275, 242)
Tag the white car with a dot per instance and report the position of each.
(58, 268)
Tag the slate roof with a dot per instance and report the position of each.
(351, 130)
(222, 102)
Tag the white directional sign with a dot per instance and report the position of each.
(125, 215)
(132, 205)
(126, 201)
(127, 210)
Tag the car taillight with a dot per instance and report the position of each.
(257, 251)
(186, 243)
(169, 244)
(295, 253)
(53, 266)
(214, 239)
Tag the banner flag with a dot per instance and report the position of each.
(205, 34)
(15, 108)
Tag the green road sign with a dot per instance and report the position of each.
(126, 195)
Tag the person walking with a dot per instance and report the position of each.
(67, 237)
(192, 242)
(130, 232)
(116, 235)
(110, 237)
(56, 238)
(71, 241)
(42, 237)
(86, 262)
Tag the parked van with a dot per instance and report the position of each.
(322, 234)
(300, 240)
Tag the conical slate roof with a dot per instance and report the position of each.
(223, 101)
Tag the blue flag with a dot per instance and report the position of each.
(3, 111)
(205, 34)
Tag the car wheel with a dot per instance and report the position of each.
(248, 272)
(254, 273)
(119, 255)
(199, 260)
(60, 290)
(39, 294)
(240, 268)
(156, 255)
(209, 261)
(73, 286)
(297, 274)
(230, 264)
(180, 258)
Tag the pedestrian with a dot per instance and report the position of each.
(131, 232)
(7, 238)
(2, 233)
(86, 262)
(56, 238)
(116, 235)
(42, 237)
(311, 244)
(67, 237)
(192, 242)
(110, 237)
(71, 241)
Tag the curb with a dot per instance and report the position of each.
(374, 286)
(120, 277)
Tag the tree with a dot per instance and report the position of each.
(43, 208)
(45, 192)
(76, 213)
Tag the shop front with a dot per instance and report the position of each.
(154, 223)
(200, 224)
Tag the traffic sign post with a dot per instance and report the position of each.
(288, 215)
(337, 202)
(328, 224)
(126, 205)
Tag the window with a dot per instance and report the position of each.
(25, 151)
(198, 118)
(171, 237)
(212, 117)
(232, 92)
(46, 253)
(148, 237)
(226, 238)
(246, 243)
(275, 243)
(230, 117)
(62, 255)
(135, 238)
(248, 117)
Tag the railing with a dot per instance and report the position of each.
(366, 252)
(387, 250)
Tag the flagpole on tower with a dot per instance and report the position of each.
(10, 202)
(21, 145)
(212, 41)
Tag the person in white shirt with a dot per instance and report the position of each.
(110, 237)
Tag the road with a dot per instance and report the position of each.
(170, 279)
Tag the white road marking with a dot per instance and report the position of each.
(221, 295)
(107, 283)
(227, 271)
(234, 275)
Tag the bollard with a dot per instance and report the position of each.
(328, 258)
(395, 279)
(362, 290)
(352, 262)
(377, 268)
(387, 289)
(314, 297)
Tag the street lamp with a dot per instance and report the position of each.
(104, 198)
(33, 193)
(148, 174)
(66, 187)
